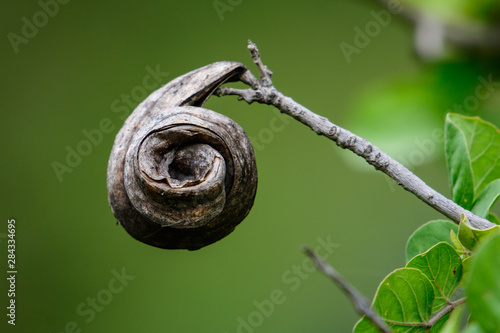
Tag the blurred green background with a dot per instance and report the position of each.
(79, 65)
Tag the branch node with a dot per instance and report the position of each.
(332, 131)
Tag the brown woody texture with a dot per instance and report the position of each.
(181, 176)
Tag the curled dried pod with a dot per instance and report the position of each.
(181, 176)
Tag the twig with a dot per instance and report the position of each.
(265, 73)
(262, 92)
(445, 310)
(361, 304)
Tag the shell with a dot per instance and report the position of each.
(181, 176)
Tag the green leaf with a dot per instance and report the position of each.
(483, 292)
(364, 325)
(456, 243)
(470, 236)
(472, 148)
(404, 300)
(453, 324)
(459, 164)
(486, 199)
(492, 217)
(443, 267)
(429, 235)
(465, 234)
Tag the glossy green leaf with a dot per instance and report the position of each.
(456, 243)
(429, 235)
(472, 148)
(483, 292)
(486, 199)
(465, 234)
(459, 165)
(470, 236)
(364, 325)
(443, 267)
(404, 300)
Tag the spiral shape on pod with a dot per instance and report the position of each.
(181, 176)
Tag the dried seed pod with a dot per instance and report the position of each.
(181, 176)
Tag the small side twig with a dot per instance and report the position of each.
(448, 308)
(265, 73)
(360, 302)
(263, 91)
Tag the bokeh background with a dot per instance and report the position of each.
(77, 67)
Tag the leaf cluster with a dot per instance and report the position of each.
(451, 281)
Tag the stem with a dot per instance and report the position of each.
(445, 310)
(361, 304)
(263, 91)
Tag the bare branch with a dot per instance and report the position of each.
(361, 304)
(262, 93)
